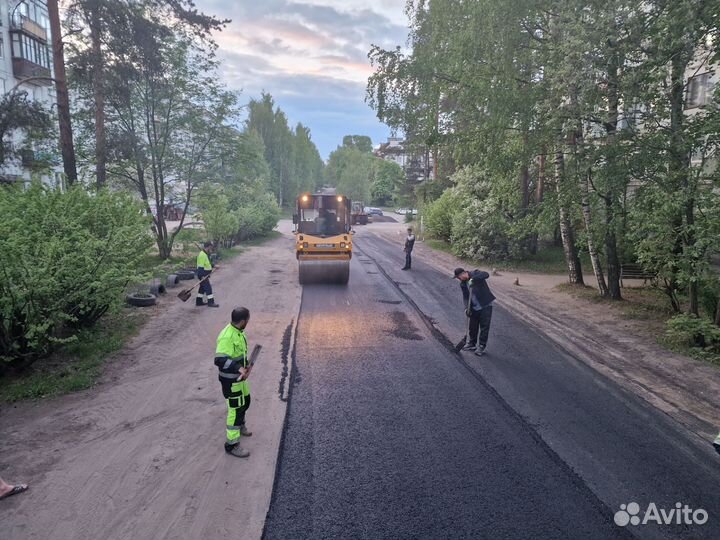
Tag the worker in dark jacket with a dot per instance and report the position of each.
(409, 245)
(478, 302)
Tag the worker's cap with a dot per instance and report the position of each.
(458, 271)
(207, 244)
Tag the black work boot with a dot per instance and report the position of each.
(199, 301)
(211, 303)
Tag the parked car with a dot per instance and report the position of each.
(372, 211)
(413, 211)
(401, 211)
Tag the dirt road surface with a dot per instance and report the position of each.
(141, 454)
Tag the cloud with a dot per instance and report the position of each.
(311, 55)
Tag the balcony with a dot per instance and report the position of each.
(24, 69)
(21, 23)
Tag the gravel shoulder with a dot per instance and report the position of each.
(140, 455)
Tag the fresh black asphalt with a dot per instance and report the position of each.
(391, 435)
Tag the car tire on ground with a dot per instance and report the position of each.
(184, 275)
(141, 299)
(157, 289)
(172, 280)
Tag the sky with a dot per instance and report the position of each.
(311, 55)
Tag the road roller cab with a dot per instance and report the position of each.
(323, 229)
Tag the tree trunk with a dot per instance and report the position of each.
(611, 251)
(524, 178)
(679, 171)
(540, 188)
(67, 148)
(587, 217)
(612, 196)
(566, 229)
(539, 194)
(99, 97)
(717, 314)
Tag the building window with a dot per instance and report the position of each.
(30, 49)
(699, 91)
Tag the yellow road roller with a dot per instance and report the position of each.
(323, 237)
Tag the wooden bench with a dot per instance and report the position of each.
(635, 271)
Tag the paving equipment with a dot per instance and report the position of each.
(359, 216)
(323, 229)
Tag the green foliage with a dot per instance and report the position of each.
(439, 215)
(387, 179)
(294, 161)
(68, 258)
(483, 226)
(258, 218)
(17, 112)
(695, 332)
(359, 142)
(220, 223)
(350, 171)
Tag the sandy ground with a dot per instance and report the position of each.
(141, 454)
(599, 334)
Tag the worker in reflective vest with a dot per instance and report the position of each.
(231, 358)
(204, 269)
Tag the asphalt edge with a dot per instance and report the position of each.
(287, 399)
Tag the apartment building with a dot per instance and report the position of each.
(26, 64)
(416, 162)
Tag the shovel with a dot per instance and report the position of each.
(185, 295)
(460, 344)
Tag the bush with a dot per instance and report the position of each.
(480, 226)
(696, 332)
(258, 218)
(439, 215)
(67, 258)
(220, 223)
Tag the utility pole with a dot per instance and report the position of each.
(67, 147)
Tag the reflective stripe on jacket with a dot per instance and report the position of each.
(203, 261)
(231, 355)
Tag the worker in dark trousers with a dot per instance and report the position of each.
(231, 359)
(205, 268)
(478, 302)
(409, 245)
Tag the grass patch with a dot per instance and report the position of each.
(639, 303)
(440, 245)
(548, 260)
(75, 366)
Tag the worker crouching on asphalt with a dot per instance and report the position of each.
(231, 358)
(409, 245)
(478, 303)
(204, 269)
